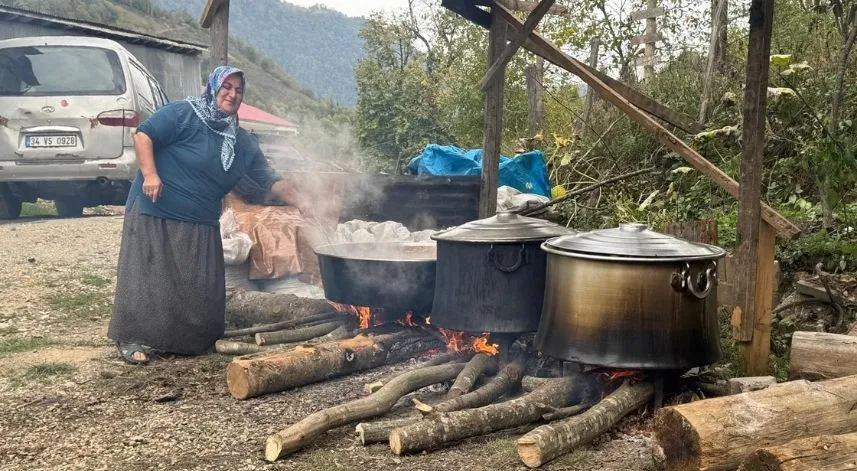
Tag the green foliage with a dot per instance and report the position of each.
(48, 370)
(23, 344)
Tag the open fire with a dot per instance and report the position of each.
(461, 342)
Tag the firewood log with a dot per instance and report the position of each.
(823, 453)
(565, 412)
(509, 376)
(298, 435)
(558, 438)
(290, 324)
(438, 359)
(296, 335)
(531, 383)
(471, 372)
(819, 355)
(720, 433)
(264, 373)
(438, 430)
(230, 347)
(248, 308)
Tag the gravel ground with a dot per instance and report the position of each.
(67, 402)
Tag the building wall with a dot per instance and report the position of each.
(178, 74)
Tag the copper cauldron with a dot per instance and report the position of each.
(630, 298)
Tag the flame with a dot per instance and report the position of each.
(362, 313)
(460, 342)
(408, 320)
(613, 375)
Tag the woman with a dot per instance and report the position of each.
(170, 290)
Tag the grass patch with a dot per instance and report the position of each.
(23, 344)
(500, 453)
(47, 370)
(38, 209)
(94, 280)
(85, 305)
(321, 460)
(578, 457)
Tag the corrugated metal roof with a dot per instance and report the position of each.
(99, 30)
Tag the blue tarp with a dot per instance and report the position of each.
(524, 172)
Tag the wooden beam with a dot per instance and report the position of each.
(493, 124)
(536, 122)
(650, 39)
(530, 24)
(646, 39)
(755, 250)
(541, 46)
(211, 7)
(528, 6)
(647, 13)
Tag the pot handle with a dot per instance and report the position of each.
(700, 288)
(522, 259)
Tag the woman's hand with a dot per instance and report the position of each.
(152, 186)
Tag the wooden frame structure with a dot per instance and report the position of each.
(215, 16)
(758, 225)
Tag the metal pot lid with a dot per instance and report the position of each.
(505, 226)
(631, 241)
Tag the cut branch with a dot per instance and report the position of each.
(505, 381)
(565, 412)
(550, 441)
(328, 316)
(438, 430)
(297, 436)
(720, 433)
(230, 347)
(296, 335)
(266, 373)
(471, 372)
(572, 194)
(439, 359)
(379, 432)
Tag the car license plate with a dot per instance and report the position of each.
(50, 141)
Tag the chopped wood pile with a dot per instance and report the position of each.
(744, 423)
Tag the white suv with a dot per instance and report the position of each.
(68, 107)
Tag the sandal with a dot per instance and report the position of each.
(127, 351)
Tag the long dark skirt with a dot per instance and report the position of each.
(170, 291)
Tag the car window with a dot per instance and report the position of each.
(60, 70)
(142, 87)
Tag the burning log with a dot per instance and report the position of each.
(230, 347)
(824, 453)
(317, 318)
(266, 373)
(509, 376)
(720, 433)
(296, 335)
(440, 429)
(550, 441)
(297, 436)
(819, 355)
(439, 359)
(248, 308)
(480, 363)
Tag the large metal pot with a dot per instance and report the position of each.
(630, 297)
(394, 276)
(491, 274)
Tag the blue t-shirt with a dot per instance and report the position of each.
(187, 158)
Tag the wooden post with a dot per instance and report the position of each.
(499, 63)
(651, 30)
(594, 43)
(713, 50)
(536, 122)
(220, 35)
(751, 318)
(723, 21)
(493, 125)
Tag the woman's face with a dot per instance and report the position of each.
(230, 94)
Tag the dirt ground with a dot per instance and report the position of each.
(67, 401)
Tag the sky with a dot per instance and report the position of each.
(354, 7)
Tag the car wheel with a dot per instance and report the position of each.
(69, 208)
(10, 206)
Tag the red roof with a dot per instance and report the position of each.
(251, 113)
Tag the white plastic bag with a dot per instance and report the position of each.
(236, 244)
